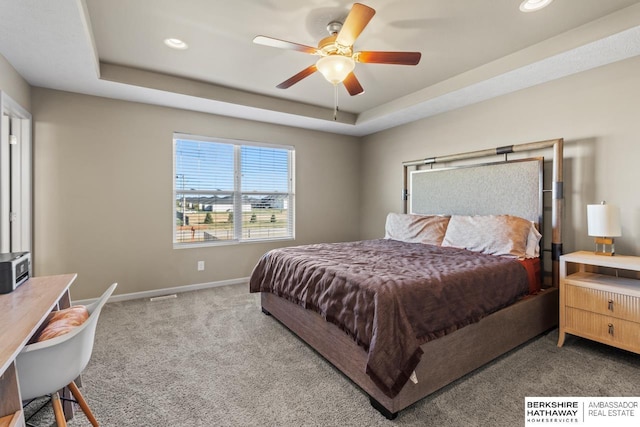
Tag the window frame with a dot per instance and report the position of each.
(16, 184)
(236, 193)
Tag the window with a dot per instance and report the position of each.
(231, 191)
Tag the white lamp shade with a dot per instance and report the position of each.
(603, 220)
(335, 68)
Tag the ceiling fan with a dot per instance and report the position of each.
(337, 58)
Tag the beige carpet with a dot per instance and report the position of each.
(211, 358)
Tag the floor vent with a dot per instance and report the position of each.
(163, 297)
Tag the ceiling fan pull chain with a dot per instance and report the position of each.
(335, 102)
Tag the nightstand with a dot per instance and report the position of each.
(597, 304)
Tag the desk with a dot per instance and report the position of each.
(21, 314)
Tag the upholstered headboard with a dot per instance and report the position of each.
(498, 188)
(512, 187)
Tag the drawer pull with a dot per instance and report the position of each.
(611, 329)
(610, 306)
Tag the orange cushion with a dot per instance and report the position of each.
(62, 322)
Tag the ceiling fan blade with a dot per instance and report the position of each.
(358, 18)
(295, 79)
(398, 58)
(352, 84)
(283, 44)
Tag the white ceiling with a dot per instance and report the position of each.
(472, 50)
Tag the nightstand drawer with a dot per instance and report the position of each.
(612, 304)
(606, 329)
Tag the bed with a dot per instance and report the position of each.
(366, 308)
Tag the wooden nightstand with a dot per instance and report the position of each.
(598, 305)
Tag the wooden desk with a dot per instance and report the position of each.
(21, 314)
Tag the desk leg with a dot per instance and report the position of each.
(67, 406)
(64, 301)
(9, 392)
(65, 393)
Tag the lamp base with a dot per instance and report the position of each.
(605, 246)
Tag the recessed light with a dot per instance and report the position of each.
(533, 5)
(175, 43)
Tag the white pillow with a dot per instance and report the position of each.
(503, 235)
(428, 229)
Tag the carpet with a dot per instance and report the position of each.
(211, 358)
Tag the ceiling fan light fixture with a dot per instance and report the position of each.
(335, 68)
(533, 5)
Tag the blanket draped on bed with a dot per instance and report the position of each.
(391, 296)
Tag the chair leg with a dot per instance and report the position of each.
(57, 410)
(83, 403)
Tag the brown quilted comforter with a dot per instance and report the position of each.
(391, 296)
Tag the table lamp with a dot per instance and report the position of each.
(603, 223)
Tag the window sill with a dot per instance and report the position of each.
(227, 243)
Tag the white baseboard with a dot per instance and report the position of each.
(166, 291)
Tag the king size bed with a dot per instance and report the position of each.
(455, 283)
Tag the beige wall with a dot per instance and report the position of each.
(103, 197)
(596, 112)
(102, 202)
(14, 85)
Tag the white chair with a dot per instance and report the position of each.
(48, 366)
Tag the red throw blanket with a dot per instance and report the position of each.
(391, 296)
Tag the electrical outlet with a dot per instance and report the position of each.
(200, 265)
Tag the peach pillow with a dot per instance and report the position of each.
(411, 228)
(62, 322)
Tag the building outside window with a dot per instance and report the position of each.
(228, 191)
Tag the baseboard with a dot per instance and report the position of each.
(167, 291)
